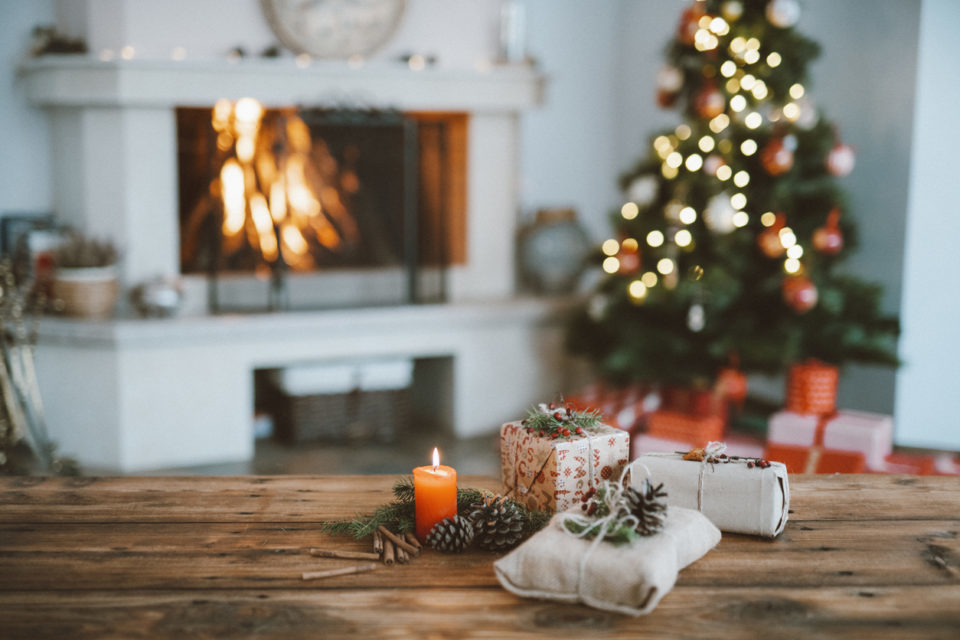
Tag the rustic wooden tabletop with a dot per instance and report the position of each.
(214, 557)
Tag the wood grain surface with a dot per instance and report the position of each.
(196, 557)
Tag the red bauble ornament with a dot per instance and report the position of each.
(666, 99)
(840, 160)
(689, 23)
(629, 261)
(709, 102)
(828, 239)
(799, 293)
(732, 384)
(769, 238)
(776, 157)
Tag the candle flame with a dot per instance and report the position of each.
(436, 458)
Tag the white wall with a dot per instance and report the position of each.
(928, 384)
(25, 150)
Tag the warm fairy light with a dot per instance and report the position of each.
(629, 210)
(738, 103)
(748, 147)
(669, 172)
(703, 40)
(774, 60)
(796, 91)
(791, 111)
(674, 160)
(738, 45)
(791, 265)
(738, 201)
(637, 290)
(740, 219)
(694, 162)
(720, 123)
(630, 244)
(436, 458)
(760, 90)
(796, 251)
(247, 111)
(672, 210)
(178, 53)
(221, 114)
(127, 52)
(751, 56)
(417, 62)
(611, 265)
(787, 237)
(768, 218)
(655, 238)
(724, 172)
(610, 247)
(741, 179)
(232, 192)
(683, 238)
(748, 81)
(732, 85)
(665, 266)
(662, 145)
(278, 200)
(293, 239)
(753, 44)
(683, 131)
(728, 68)
(303, 60)
(753, 120)
(725, 146)
(706, 144)
(649, 279)
(687, 215)
(719, 26)
(263, 222)
(106, 55)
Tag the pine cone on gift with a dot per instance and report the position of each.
(451, 535)
(498, 523)
(648, 505)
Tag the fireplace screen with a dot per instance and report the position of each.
(277, 196)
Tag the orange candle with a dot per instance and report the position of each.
(435, 495)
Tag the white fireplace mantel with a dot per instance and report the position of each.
(114, 131)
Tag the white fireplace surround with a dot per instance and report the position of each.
(133, 394)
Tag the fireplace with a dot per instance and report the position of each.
(267, 196)
(136, 394)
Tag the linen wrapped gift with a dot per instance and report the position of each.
(739, 495)
(628, 578)
(552, 473)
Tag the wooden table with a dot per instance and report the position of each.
(190, 557)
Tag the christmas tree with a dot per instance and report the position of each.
(733, 226)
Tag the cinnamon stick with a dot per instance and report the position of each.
(397, 540)
(377, 543)
(389, 553)
(412, 539)
(402, 556)
(346, 571)
(349, 555)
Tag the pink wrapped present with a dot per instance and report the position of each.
(868, 433)
(553, 474)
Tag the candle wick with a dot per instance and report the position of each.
(435, 467)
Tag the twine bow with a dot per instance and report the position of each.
(711, 451)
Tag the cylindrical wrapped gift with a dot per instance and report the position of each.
(812, 388)
(737, 494)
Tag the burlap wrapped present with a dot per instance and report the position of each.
(630, 578)
(738, 495)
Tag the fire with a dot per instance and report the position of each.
(277, 186)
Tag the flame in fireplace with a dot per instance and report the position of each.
(280, 190)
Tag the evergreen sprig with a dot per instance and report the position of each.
(554, 421)
(400, 514)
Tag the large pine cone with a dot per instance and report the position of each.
(451, 535)
(648, 505)
(498, 523)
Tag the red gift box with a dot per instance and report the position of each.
(909, 463)
(812, 388)
(694, 402)
(815, 459)
(673, 425)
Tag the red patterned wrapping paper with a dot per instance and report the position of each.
(812, 388)
(553, 475)
(672, 425)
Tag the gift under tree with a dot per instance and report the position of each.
(729, 242)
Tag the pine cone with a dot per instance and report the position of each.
(648, 506)
(451, 535)
(498, 523)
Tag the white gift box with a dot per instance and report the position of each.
(868, 433)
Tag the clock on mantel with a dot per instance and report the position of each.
(333, 28)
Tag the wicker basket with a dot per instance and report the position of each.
(86, 293)
(373, 415)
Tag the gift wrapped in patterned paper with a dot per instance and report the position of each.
(737, 494)
(552, 473)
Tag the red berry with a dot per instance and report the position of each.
(558, 415)
(551, 406)
(566, 432)
(591, 508)
(540, 433)
(749, 464)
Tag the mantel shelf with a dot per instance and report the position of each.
(86, 81)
